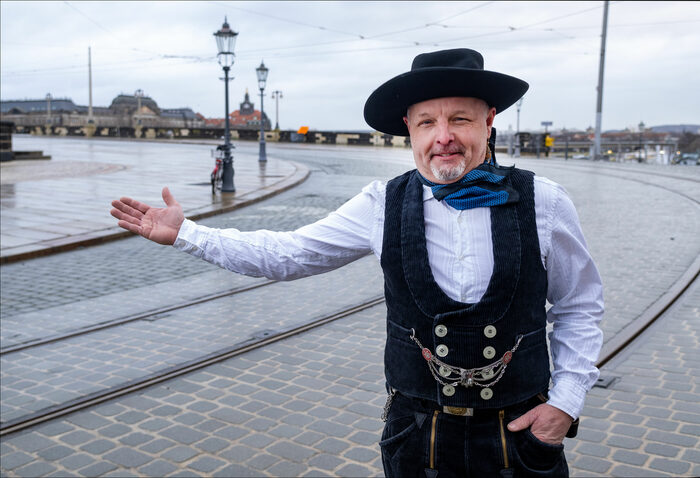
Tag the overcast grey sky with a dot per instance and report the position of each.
(327, 57)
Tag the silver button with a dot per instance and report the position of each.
(440, 330)
(487, 374)
(486, 393)
(448, 390)
(489, 352)
(442, 350)
(490, 331)
(444, 371)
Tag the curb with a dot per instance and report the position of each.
(224, 205)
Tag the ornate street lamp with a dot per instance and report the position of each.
(641, 132)
(519, 104)
(49, 121)
(277, 94)
(262, 79)
(225, 42)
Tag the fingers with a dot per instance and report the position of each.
(130, 227)
(125, 217)
(125, 208)
(141, 207)
(168, 197)
(522, 422)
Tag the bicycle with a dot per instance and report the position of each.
(217, 175)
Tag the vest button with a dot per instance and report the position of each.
(489, 352)
(440, 330)
(448, 390)
(490, 331)
(442, 350)
(444, 371)
(487, 374)
(486, 393)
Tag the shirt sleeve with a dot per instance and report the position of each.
(575, 291)
(342, 237)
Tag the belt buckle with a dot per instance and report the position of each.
(459, 411)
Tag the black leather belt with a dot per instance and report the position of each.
(470, 412)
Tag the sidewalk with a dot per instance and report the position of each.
(63, 203)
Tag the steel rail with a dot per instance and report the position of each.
(129, 318)
(253, 343)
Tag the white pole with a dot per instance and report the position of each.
(90, 84)
(601, 68)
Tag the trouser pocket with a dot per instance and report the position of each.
(535, 458)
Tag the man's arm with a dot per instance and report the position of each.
(342, 237)
(576, 294)
(159, 225)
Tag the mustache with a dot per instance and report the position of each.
(450, 150)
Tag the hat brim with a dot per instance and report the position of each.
(387, 105)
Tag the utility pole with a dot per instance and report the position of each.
(277, 94)
(601, 68)
(90, 120)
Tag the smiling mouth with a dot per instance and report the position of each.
(445, 156)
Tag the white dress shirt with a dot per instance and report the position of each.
(460, 252)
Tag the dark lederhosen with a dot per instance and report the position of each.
(487, 356)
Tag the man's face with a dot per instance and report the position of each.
(448, 136)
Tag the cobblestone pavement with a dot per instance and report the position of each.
(50, 204)
(640, 249)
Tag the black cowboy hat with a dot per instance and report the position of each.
(439, 74)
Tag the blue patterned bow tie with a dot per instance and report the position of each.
(483, 186)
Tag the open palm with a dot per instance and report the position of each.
(160, 225)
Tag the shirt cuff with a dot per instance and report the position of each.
(186, 240)
(568, 396)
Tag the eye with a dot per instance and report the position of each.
(425, 122)
(461, 119)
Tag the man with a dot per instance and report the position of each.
(470, 252)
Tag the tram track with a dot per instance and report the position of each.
(257, 341)
(613, 348)
(88, 329)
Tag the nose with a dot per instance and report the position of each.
(443, 133)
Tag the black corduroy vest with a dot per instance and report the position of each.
(512, 306)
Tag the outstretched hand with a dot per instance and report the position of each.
(160, 225)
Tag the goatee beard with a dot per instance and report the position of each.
(448, 174)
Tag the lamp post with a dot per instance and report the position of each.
(138, 94)
(519, 104)
(262, 79)
(48, 112)
(225, 42)
(641, 132)
(277, 94)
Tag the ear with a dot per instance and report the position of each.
(489, 120)
(405, 120)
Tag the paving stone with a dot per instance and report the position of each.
(206, 464)
(38, 468)
(76, 461)
(629, 443)
(54, 453)
(212, 444)
(590, 463)
(665, 425)
(157, 468)
(353, 470)
(287, 468)
(629, 457)
(325, 461)
(593, 449)
(363, 455)
(628, 471)
(332, 445)
(661, 449)
(132, 417)
(291, 451)
(262, 461)
(127, 457)
(672, 438)
(179, 454)
(157, 445)
(77, 437)
(629, 430)
(56, 428)
(182, 434)
(238, 470)
(15, 459)
(115, 430)
(135, 439)
(30, 442)
(89, 420)
(101, 468)
(674, 467)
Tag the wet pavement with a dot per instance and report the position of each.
(50, 205)
(310, 404)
